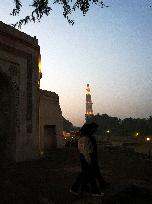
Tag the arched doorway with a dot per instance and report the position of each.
(7, 121)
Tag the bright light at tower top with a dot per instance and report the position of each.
(89, 110)
(88, 89)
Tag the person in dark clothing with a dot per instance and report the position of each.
(84, 178)
(94, 166)
(88, 158)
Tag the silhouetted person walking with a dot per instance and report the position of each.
(89, 165)
(94, 166)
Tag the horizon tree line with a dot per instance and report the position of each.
(122, 127)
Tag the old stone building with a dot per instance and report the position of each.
(19, 95)
(51, 126)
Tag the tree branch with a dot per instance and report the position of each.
(41, 8)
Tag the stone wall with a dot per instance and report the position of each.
(51, 127)
(19, 73)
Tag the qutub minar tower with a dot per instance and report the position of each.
(89, 110)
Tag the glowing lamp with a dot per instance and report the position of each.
(40, 66)
(88, 89)
(137, 134)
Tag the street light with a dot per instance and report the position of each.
(137, 134)
(148, 139)
(108, 135)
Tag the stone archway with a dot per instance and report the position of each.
(7, 121)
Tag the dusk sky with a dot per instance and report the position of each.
(109, 48)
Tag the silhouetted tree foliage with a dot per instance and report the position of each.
(44, 7)
(125, 127)
(67, 125)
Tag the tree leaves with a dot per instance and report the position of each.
(42, 7)
(17, 8)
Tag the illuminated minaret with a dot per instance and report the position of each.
(89, 110)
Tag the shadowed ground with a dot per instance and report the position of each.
(48, 180)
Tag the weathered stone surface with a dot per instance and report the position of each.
(18, 69)
(22, 105)
(51, 127)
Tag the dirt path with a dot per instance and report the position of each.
(48, 180)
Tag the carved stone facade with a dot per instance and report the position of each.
(51, 127)
(22, 105)
(19, 95)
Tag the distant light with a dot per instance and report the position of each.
(72, 137)
(137, 134)
(148, 138)
(108, 131)
(88, 89)
(41, 152)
